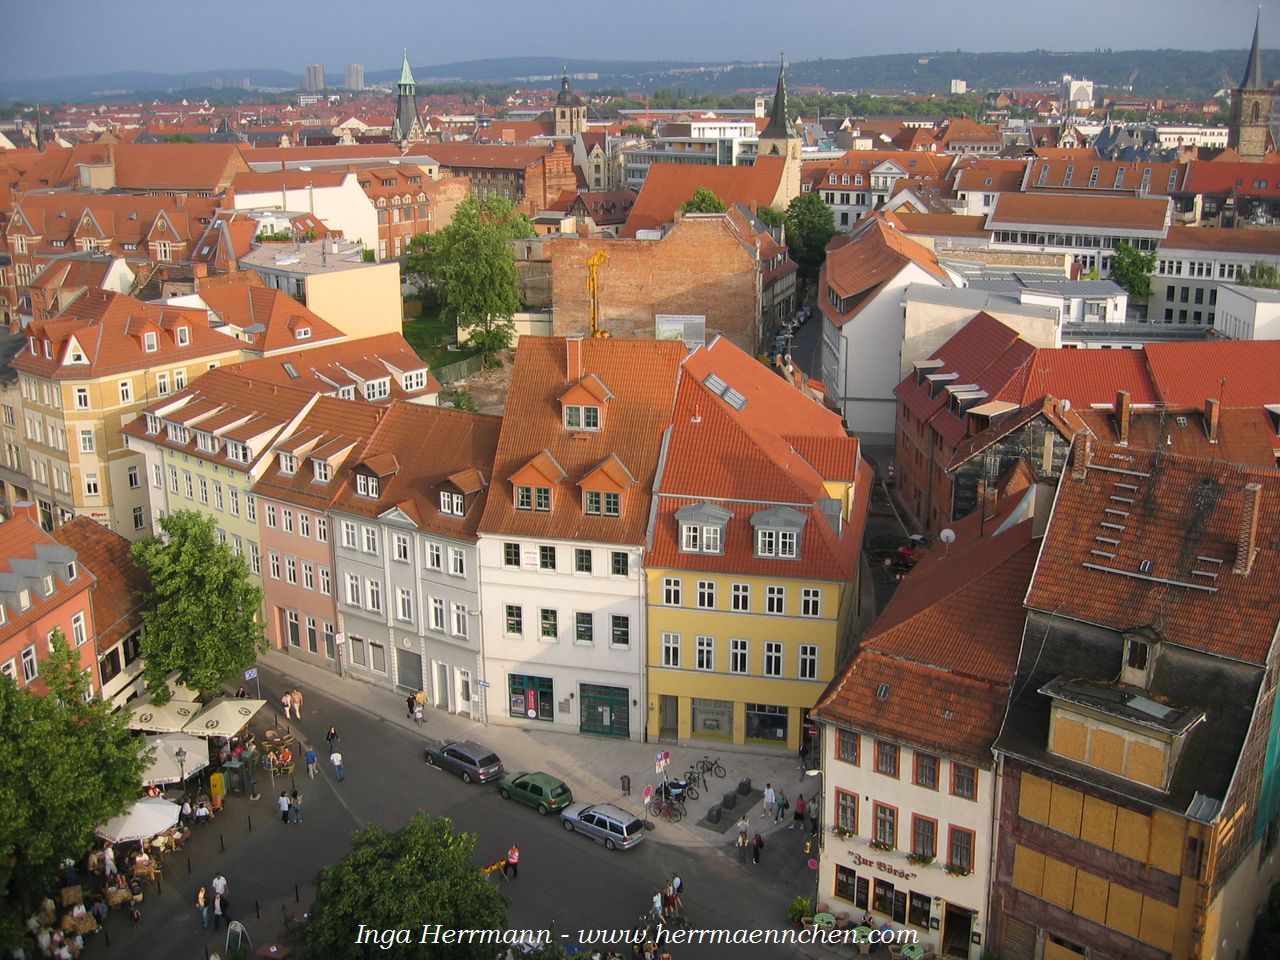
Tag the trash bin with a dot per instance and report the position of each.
(730, 800)
(713, 814)
(234, 771)
(744, 786)
(626, 785)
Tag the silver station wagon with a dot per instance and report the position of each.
(604, 823)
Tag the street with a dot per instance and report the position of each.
(565, 880)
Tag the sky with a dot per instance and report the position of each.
(55, 38)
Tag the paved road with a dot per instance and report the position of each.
(564, 877)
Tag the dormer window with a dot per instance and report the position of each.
(178, 433)
(48, 586)
(237, 451)
(184, 336)
(451, 503)
(603, 503)
(415, 380)
(377, 389)
(702, 528)
(777, 532)
(366, 485)
(149, 342)
(346, 393)
(153, 423)
(321, 471)
(1139, 658)
(288, 464)
(206, 442)
(581, 418)
(24, 599)
(35, 347)
(302, 333)
(76, 355)
(533, 498)
(72, 572)
(48, 350)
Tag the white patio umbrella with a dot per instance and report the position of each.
(146, 818)
(166, 767)
(171, 718)
(223, 717)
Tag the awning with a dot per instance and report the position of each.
(165, 768)
(170, 718)
(223, 718)
(144, 819)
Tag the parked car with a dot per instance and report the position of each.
(603, 823)
(468, 760)
(541, 791)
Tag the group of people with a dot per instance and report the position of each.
(212, 900)
(416, 703)
(290, 805)
(292, 700)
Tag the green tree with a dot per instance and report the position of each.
(771, 217)
(703, 201)
(810, 227)
(1131, 268)
(635, 130)
(1261, 275)
(201, 613)
(421, 875)
(179, 138)
(73, 766)
(472, 269)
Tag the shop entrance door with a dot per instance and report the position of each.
(957, 924)
(604, 710)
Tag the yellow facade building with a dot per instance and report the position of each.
(751, 567)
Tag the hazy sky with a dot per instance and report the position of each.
(50, 38)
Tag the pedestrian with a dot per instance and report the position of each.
(656, 908)
(240, 694)
(219, 910)
(757, 844)
(798, 819)
(109, 861)
(295, 807)
(296, 699)
(184, 813)
(283, 804)
(742, 847)
(286, 701)
(310, 756)
(770, 801)
(417, 714)
(743, 825)
(219, 885)
(812, 806)
(409, 703)
(804, 756)
(512, 863)
(202, 904)
(336, 759)
(332, 738)
(780, 807)
(420, 698)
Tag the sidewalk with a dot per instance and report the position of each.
(592, 766)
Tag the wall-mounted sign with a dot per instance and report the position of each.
(860, 861)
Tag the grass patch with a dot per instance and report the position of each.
(428, 335)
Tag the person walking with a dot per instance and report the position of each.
(770, 801)
(417, 714)
(202, 904)
(420, 698)
(219, 885)
(812, 807)
(332, 738)
(283, 804)
(512, 863)
(780, 807)
(742, 847)
(336, 759)
(219, 910)
(296, 699)
(409, 703)
(295, 807)
(310, 756)
(286, 702)
(677, 888)
(743, 825)
(798, 819)
(757, 844)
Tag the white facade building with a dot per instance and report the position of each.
(1248, 313)
(343, 207)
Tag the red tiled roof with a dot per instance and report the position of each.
(488, 155)
(20, 538)
(988, 174)
(668, 185)
(1131, 176)
(872, 255)
(1167, 562)
(1237, 240)
(641, 376)
(941, 224)
(1220, 177)
(277, 180)
(143, 166)
(1044, 211)
(1186, 374)
(1081, 377)
(1249, 436)
(244, 305)
(121, 584)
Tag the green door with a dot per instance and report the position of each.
(605, 710)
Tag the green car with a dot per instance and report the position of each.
(541, 791)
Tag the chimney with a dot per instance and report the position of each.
(1246, 542)
(573, 358)
(199, 270)
(1211, 414)
(1123, 405)
(26, 508)
(1083, 456)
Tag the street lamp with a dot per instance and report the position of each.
(810, 847)
(181, 756)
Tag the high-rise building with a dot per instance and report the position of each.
(313, 80)
(355, 76)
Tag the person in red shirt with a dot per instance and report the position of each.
(512, 864)
(798, 819)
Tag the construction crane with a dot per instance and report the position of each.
(594, 262)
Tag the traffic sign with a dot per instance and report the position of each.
(482, 683)
(647, 792)
(251, 673)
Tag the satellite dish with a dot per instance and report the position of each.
(947, 535)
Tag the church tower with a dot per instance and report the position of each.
(408, 125)
(1251, 107)
(779, 139)
(571, 112)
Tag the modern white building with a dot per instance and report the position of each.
(1248, 313)
(333, 197)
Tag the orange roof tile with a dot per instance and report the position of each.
(1237, 240)
(668, 185)
(1044, 211)
(1167, 561)
(871, 255)
(1241, 373)
(282, 318)
(121, 585)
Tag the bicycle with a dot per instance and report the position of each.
(667, 809)
(693, 777)
(707, 765)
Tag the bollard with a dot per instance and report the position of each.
(188, 866)
(158, 890)
(730, 800)
(106, 937)
(713, 814)
(744, 787)
(297, 897)
(257, 909)
(249, 817)
(222, 844)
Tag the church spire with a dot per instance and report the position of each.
(406, 74)
(1252, 79)
(780, 126)
(407, 126)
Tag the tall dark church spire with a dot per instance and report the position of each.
(407, 126)
(780, 126)
(1252, 79)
